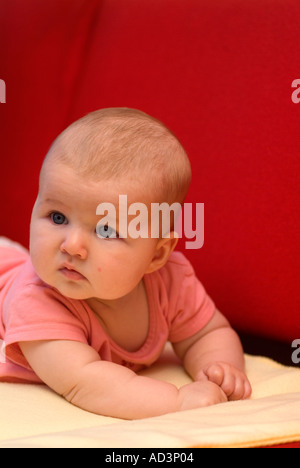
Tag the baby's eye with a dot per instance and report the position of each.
(106, 232)
(58, 218)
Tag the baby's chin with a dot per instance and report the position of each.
(75, 295)
(69, 290)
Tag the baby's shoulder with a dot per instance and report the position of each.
(179, 262)
(177, 271)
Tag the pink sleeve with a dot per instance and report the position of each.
(40, 313)
(190, 307)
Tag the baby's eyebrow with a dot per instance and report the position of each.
(53, 201)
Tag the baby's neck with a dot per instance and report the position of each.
(115, 305)
(125, 320)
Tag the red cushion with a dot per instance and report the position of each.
(219, 74)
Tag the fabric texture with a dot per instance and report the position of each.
(34, 416)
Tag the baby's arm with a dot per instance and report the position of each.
(215, 354)
(75, 371)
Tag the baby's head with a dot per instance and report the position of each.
(108, 153)
(126, 144)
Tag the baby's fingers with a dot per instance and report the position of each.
(233, 387)
(215, 374)
(236, 387)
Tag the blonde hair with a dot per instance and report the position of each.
(116, 142)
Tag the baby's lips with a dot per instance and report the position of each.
(71, 274)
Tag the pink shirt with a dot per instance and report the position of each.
(30, 310)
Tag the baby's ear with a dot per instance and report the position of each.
(164, 248)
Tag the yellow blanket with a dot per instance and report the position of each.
(34, 416)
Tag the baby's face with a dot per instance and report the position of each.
(66, 250)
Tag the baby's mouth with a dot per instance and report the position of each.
(71, 274)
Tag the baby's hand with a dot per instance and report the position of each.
(200, 394)
(231, 380)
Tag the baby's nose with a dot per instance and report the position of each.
(74, 245)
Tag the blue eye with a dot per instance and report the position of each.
(58, 218)
(106, 232)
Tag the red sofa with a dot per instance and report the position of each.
(222, 76)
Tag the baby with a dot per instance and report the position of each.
(92, 305)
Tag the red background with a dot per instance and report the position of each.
(219, 75)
